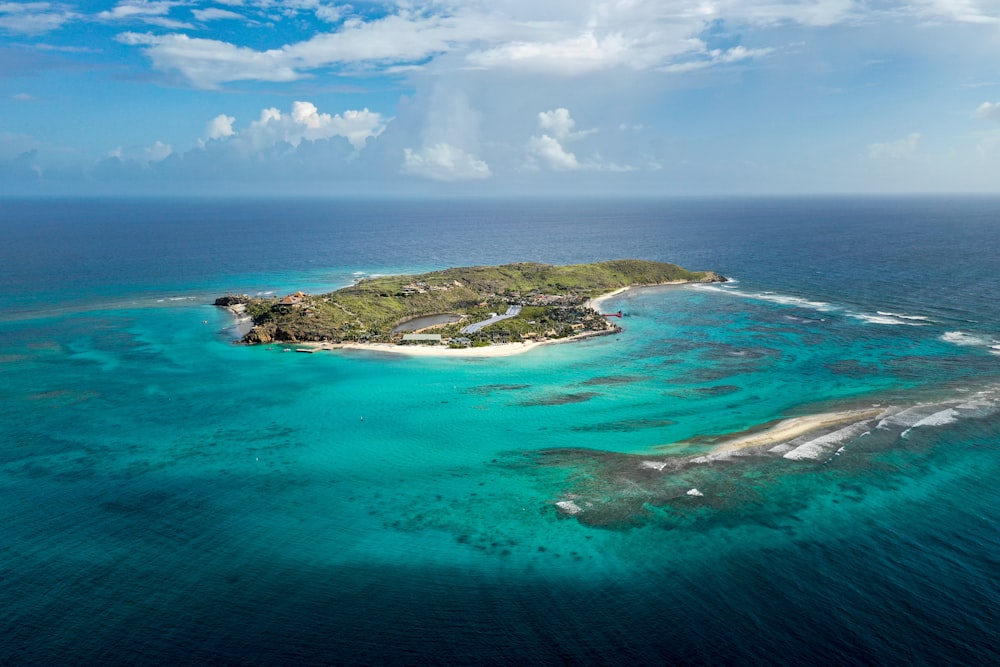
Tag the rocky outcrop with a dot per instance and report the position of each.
(713, 277)
(231, 300)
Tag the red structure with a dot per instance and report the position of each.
(618, 314)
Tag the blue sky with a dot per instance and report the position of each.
(500, 97)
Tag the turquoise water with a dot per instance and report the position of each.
(168, 496)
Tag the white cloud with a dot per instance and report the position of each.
(136, 8)
(562, 38)
(575, 55)
(356, 126)
(143, 155)
(151, 12)
(557, 127)
(444, 162)
(23, 97)
(896, 150)
(206, 63)
(550, 151)
(31, 18)
(988, 111)
(304, 123)
(561, 124)
(216, 14)
(717, 57)
(962, 11)
(158, 151)
(220, 127)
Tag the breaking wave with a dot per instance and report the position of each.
(879, 317)
(894, 319)
(971, 340)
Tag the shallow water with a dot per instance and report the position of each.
(168, 496)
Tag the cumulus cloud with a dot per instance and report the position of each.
(561, 124)
(988, 111)
(900, 149)
(303, 123)
(356, 126)
(220, 127)
(552, 153)
(558, 126)
(444, 162)
(549, 150)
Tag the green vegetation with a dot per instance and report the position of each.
(551, 297)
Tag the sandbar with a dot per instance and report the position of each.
(788, 429)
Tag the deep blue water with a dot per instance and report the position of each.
(169, 497)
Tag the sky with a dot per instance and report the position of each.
(499, 97)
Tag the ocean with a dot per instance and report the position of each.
(170, 497)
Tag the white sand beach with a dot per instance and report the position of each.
(495, 350)
(787, 429)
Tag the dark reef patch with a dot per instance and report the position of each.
(560, 399)
(717, 390)
(612, 380)
(624, 425)
(493, 388)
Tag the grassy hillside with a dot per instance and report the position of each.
(368, 310)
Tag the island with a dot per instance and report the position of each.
(458, 308)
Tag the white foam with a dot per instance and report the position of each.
(787, 300)
(908, 417)
(979, 407)
(890, 319)
(653, 465)
(901, 316)
(966, 339)
(940, 418)
(947, 416)
(773, 297)
(695, 492)
(569, 507)
(817, 447)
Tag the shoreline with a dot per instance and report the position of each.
(598, 301)
(489, 351)
(784, 431)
